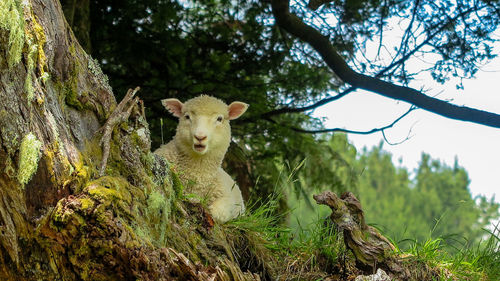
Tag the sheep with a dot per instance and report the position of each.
(198, 148)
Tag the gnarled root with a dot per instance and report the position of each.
(370, 248)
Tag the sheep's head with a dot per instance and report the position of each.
(204, 123)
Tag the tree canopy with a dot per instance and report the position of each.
(243, 49)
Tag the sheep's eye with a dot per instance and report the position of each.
(219, 119)
(187, 117)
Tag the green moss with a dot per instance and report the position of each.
(72, 50)
(28, 83)
(147, 160)
(80, 174)
(67, 219)
(142, 233)
(92, 154)
(86, 203)
(55, 155)
(83, 250)
(58, 212)
(10, 142)
(177, 184)
(41, 58)
(29, 156)
(116, 166)
(114, 191)
(158, 211)
(11, 19)
(94, 68)
(104, 190)
(156, 201)
(69, 92)
(9, 168)
(68, 89)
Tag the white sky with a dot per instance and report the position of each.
(475, 146)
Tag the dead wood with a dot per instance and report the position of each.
(370, 248)
(120, 114)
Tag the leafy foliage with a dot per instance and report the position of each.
(436, 203)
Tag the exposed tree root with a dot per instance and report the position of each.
(370, 248)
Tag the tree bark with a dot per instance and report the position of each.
(77, 13)
(57, 94)
(33, 104)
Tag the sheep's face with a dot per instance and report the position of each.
(204, 123)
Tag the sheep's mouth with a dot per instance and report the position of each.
(199, 147)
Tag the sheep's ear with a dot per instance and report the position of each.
(236, 109)
(174, 106)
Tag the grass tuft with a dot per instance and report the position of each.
(474, 262)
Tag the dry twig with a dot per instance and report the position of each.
(120, 114)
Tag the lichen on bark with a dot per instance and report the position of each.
(26, 35)
(11, 19)
(29, 155)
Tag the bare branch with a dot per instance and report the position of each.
(120, 114)
(309, 107)
(322, 45)
(408, 136)
(342, 130)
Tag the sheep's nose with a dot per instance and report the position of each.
(200, 138)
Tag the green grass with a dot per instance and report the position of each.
(267, 244)
(303, 244)
(262, 236)
(479, 261)
(483, 258)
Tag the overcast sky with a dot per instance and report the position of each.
(477, 147)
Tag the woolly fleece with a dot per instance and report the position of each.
(201, 173)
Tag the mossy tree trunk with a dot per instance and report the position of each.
(52, 101)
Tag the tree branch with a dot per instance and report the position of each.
(393, 64)
(408, 136)
(306, 108)
(341, 130)
(120, 114)
(295, 26)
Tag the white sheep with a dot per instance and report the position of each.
(198, 148)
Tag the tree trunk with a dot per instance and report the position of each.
(53, 99)
(77, 13)
(370, 248)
